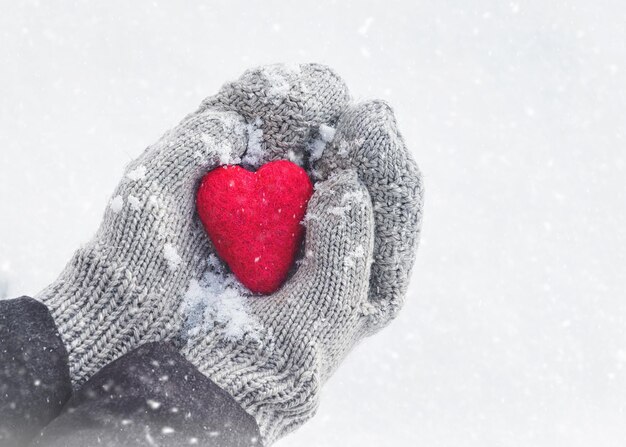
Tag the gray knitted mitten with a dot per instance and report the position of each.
(125, 287)
(274, 353)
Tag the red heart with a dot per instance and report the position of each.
(253, 219)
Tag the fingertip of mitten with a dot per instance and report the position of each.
(287, 102)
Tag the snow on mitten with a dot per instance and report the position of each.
(273, 354)
(125, 287)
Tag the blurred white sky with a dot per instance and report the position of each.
(514, 331)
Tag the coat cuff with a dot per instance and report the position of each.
(152, 396)
(34, 373)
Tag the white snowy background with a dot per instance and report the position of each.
(514, 329)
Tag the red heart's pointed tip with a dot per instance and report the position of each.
(260, 243)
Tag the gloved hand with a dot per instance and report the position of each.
(273, 354)
(126, 286)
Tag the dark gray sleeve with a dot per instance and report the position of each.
(151, 396)
(34, 374)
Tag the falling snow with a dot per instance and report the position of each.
(513, 333)
(366, 26)
(153, 404)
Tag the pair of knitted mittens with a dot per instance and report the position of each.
(137, 279)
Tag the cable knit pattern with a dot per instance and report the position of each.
(124, 287)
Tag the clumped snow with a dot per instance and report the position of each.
(295, 157)
(117, 204)
(316, 146)
(343, 149)
(134, 203)
(138, 173)
(172, 257)
(348, 201)
(357, 253)
(278, 79)
(339, 210)
(357, 196)
(346, 146)
(316, 149)
(231, 123)
(279, 86)
(327, 133)
(218, 302)
(223, 149)
(153, 201)
(256, 150)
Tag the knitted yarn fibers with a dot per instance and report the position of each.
(127, 286)
(362, 229)
(124, 287)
